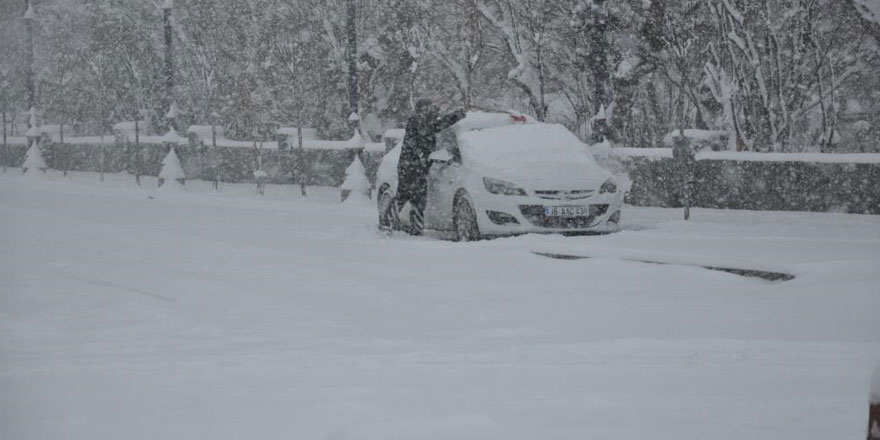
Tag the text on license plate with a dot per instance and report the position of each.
(567, 211)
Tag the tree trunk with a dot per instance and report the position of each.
(351, 31)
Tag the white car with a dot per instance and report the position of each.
(495, 175)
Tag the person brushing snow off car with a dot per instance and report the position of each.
(412, 169)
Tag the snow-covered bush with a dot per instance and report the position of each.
(171, 169)
(33, 160)
(356, 182)
(172, 137)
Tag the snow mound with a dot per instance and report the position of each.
(458, 428)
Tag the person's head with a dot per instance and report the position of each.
(427, 108)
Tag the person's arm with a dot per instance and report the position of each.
(447, 121)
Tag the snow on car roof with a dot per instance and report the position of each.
(478, 120)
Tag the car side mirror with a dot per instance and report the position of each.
(441, 156)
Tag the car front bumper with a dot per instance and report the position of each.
(511, 215)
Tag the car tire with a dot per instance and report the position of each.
(387, 212)
(465, 220)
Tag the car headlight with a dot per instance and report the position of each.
(496, 186)
(608, 187)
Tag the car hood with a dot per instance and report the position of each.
(535, 156)
(549, 175)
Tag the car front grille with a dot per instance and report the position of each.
(535, 215)
(565, 195)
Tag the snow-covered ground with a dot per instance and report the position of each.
(132, 313)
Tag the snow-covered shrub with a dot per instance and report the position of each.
(171, 169)
(356, 182)
(33, 160)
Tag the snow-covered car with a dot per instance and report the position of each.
(495, 174)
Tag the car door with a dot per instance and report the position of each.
(443, 181)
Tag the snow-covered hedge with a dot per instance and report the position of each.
(756, 181)
(324, 165)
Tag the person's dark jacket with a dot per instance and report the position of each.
(420, 141)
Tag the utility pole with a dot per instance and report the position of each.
(351, 31)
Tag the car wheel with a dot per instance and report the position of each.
(465, 221)
(387, 213)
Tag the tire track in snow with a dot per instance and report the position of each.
(112, 285)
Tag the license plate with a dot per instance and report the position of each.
(566, 211)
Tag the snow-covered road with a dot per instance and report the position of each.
(130, 313)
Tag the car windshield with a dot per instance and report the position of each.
(515, 146)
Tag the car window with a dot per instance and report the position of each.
(447, 140)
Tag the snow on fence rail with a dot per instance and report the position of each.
(18, 140)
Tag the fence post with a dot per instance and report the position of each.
(101, 156)
(3, 153)
(62, 152)
(685, 162)
(137, 150)
(302, 161)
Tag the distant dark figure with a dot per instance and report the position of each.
(420, 141)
